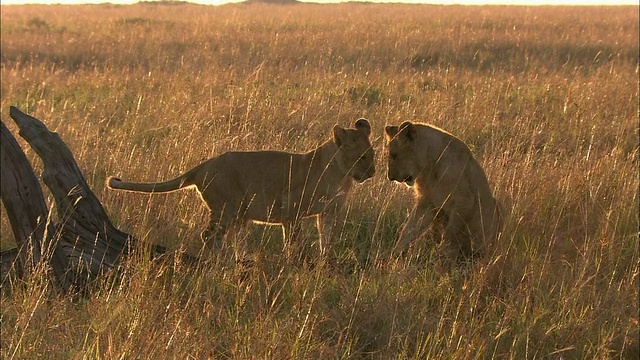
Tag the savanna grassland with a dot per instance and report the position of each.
(546, 98)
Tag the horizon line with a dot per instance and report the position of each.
(405, 2)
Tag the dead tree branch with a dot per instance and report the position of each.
(84, 243)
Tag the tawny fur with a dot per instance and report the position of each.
(276, 187)
(450, 188)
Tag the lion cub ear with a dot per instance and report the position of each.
(390, 131)
(339, 135)
(408, 130)
(363, 125)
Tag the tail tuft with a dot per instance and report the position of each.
(113, 181)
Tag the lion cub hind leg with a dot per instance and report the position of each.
(291, 237)
(224, 227)
(457, 238)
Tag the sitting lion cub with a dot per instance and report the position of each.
(450, 187)
(276, 187)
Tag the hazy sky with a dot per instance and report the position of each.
(465, 2)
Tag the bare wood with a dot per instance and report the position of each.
(22, 198)
(84, 243)
(87, 240)
(27, 212)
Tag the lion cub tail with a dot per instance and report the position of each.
(159, 187)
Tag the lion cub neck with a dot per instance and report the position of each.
(325, 160)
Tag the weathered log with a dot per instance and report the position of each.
(84, 243)
(27, 212)
(23, 199)
(84, 239)
(9, 262)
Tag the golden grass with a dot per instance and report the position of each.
(546, 97)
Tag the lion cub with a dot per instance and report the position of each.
(450, 187)
(276, 187)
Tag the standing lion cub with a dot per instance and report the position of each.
(276, 187)
(450, 187)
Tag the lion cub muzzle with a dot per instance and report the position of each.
(408, 180)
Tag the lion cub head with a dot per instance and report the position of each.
(355, 155)
(402, 160)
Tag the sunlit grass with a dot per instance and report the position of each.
(545, 97)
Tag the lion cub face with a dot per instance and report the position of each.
(356, 155)
(402, 160)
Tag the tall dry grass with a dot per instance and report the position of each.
(546, 97)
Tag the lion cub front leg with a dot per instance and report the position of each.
(326, 223)
(416, 224)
